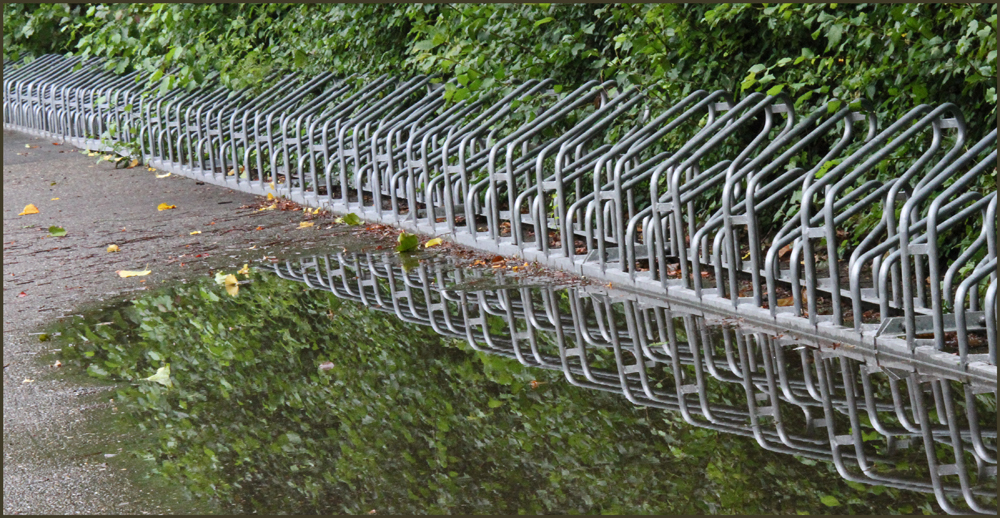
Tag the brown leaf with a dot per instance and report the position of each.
(787, 301)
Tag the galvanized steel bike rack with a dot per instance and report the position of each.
(664, 357)
(601, 182)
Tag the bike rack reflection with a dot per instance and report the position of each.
(717, 376)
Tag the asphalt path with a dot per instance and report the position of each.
(60, 454)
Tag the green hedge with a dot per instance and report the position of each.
(898, 55)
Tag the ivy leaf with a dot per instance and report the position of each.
(830, 501)
(57, 231)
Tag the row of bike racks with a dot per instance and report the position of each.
(868, 421)
(737, 206)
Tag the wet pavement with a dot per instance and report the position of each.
(46, 277)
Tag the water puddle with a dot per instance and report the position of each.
(361, 383)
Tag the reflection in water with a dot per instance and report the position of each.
(422, 430)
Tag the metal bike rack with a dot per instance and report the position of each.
(791, 398)
(602, 182)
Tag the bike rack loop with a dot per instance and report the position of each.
(569, 188)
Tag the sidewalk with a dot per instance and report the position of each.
(98, 205)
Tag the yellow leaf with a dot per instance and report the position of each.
(108, 157)
(270, 196)
(164, 206)
(269, 207)
(787, 301)
(133, 163)
(129, 273)
(245, 270)
(151, 169)
(161, 175)
(54, 199)
(231, 173)
(316, 210)
(272, 185)
(91, 154)
(112, 248)
(232, 285)
(196, 232)
(29, 209)
(306, 224)
(433, 242)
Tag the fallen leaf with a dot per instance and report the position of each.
(133, 163)
(270, 196)
(151, 169)
(325, 366)
(29, 209)
(164, 206)
(269, 207)
(160, 175)
(57, 231)
(306, 224)
(26, 380)
(259, 227)
(407, 242)
(131, 273)
(787, 301)
(195, 232)
(54, 199)
(351, 219)
(162, 376)
(112, 248)
(245, 270)
(27, 146)
(433, 242)
(55, 144)
(57, 364)
(22, 294)
(232, 285)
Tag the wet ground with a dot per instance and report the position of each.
(46, 277)
(337, 376)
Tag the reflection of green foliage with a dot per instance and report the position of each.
(407, 421)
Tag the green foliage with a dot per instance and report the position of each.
(291, 400)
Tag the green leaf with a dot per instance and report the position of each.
(543, 21)
(775, 90)
(162, 376)
(351, 219)
(407, 242)
(300, 58)
(758, 68)
(57, 231)
(833, 106)
(829, 501)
